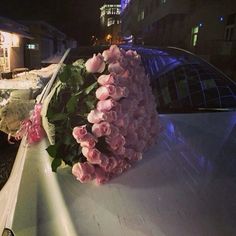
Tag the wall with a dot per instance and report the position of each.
(17, 55)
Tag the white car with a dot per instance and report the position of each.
(185, 184)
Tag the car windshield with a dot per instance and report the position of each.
(182, 82)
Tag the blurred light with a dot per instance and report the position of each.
(109, 38)
(128, 37)
(9, 40)
(32, 46)
(221, 18)
(124, 4)
(200, 24)
(6, 40)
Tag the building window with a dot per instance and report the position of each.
(142, 15)
(32, 46)
(110, 21)
(4, 59)
(229, 32)
(194, 38)
(231, 19)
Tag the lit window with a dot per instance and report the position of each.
(32, 46)
(110, 21)
(195, 31)
(194, 40)
(142, 15)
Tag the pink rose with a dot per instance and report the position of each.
(101, 176)
(95, 64)
(141, 132)
(93, 155)
(115, 68)
(96, 116)
(127, 105)
(79, 132)
(132, 138)
(106, 105)
(110, 165)
(88, 141)
(132, 155)
(110, 116)
(101, 129)
(104, 162)
(114, 131)
(140, 145)
(115, 142)
(121, 167)
(112, 54)
(131, 53)
(83, 172)
(106, 79)
(103, 92)
(122, 122)
(125, 75)
(120, 150)
(119, 93)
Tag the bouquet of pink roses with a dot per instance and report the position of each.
(104, 115)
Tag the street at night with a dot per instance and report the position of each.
(118, 117)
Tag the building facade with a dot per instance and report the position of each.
(206, 28)
(13, 37)
(47, 41)
(110, 23)
(27, 44)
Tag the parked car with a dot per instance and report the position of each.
(185, 184)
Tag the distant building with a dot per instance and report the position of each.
(206, 28)
(110, 23)
(26, 45)
(47, 41)
(13, 37)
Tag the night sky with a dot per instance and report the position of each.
(79, 19)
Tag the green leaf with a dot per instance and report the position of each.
(52, 150)
(68, 139)
(55, 164)
(80, 79)
(65, 74)
(71, 104)
(90, 104)
(58, 117)
(77, 94)
(90, 88)
(79, 63)
(49, 114)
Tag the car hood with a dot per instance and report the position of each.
(185, 185)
